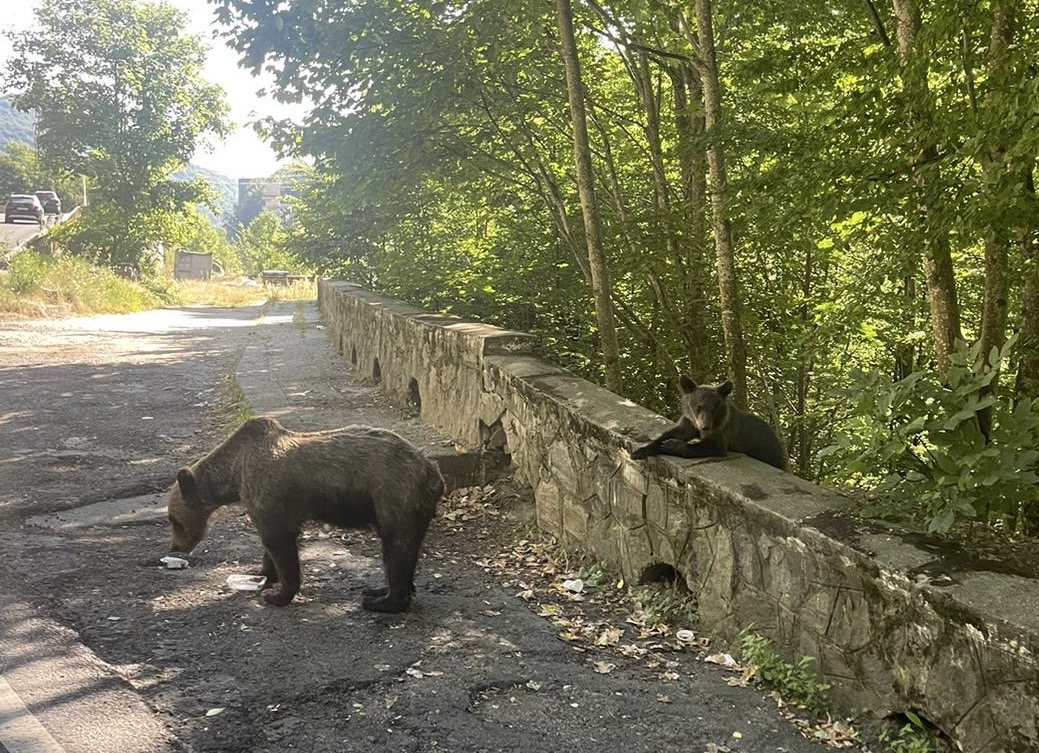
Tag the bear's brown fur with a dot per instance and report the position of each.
(711, 426)
(353, 477)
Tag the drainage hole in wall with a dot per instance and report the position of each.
(663, 574)
(414, 397)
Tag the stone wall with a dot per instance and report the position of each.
(896, 622)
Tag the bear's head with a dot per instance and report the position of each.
(706, 407)
(188, 512)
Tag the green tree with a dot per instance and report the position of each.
(21, 171)
(262, 244)
(116, 88)
(876, 201)
(193, 230)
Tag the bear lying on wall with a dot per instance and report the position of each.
(711, 426)
(353, 477)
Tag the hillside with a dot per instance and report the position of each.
(14, 125)
(17, 126)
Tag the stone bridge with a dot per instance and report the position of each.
(896, 622)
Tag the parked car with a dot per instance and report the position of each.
(23, 206)
(51, 202)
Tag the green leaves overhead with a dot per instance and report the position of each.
(879, 195)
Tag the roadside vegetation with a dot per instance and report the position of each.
(836, 210)
(653, 626)
(38, 285)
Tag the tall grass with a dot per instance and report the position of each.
(42, 286)
(232, 292)
(39, 285)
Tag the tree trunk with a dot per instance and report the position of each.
(728, 287)
(692, 169)
(997, 240)
(589, 207)
(937, 259)
(1027, 384)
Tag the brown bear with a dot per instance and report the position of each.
(711, 426)
(353, 477)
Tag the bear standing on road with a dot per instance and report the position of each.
(711, 426)
(353, 477)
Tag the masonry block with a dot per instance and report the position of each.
(761, 549)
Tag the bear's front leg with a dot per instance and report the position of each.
(694, 449)
(267, 569)
(646, 450)
(682, 432)
(283, 553)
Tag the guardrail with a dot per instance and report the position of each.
(11, 252)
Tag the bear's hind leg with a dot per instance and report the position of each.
(283, 552)
(400, 557)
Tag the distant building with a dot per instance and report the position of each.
(257, 195)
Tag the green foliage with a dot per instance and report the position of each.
(796, 682)
(670, 604)
(442, 169)
(918, 444)
(118, 97)
(262, 245)
(36, 282)
(192, 230)
(913, 737)
(27, 273)
(22, 171)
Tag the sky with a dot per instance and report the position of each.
(242, 154)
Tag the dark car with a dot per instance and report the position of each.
(23, 206)
(51, 202)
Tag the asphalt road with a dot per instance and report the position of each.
(16, 233)
(102, 650)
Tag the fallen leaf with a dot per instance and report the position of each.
(609, 637)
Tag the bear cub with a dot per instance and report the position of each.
(711, 426)
(353, 477)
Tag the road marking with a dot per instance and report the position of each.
(20, 731)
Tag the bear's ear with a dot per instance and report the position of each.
(187, 483)
(688, 385)
(725, 388)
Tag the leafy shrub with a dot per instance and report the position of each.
(918, 445)
(28, 270)
(796, 682)
(72, 284)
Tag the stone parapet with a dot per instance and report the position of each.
(896, 622)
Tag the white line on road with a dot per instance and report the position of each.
(20, 732)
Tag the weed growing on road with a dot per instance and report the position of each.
(796, 682)
(911, 738)
(669, 603)
(229, 293)
(297, 290)
(237, 406)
